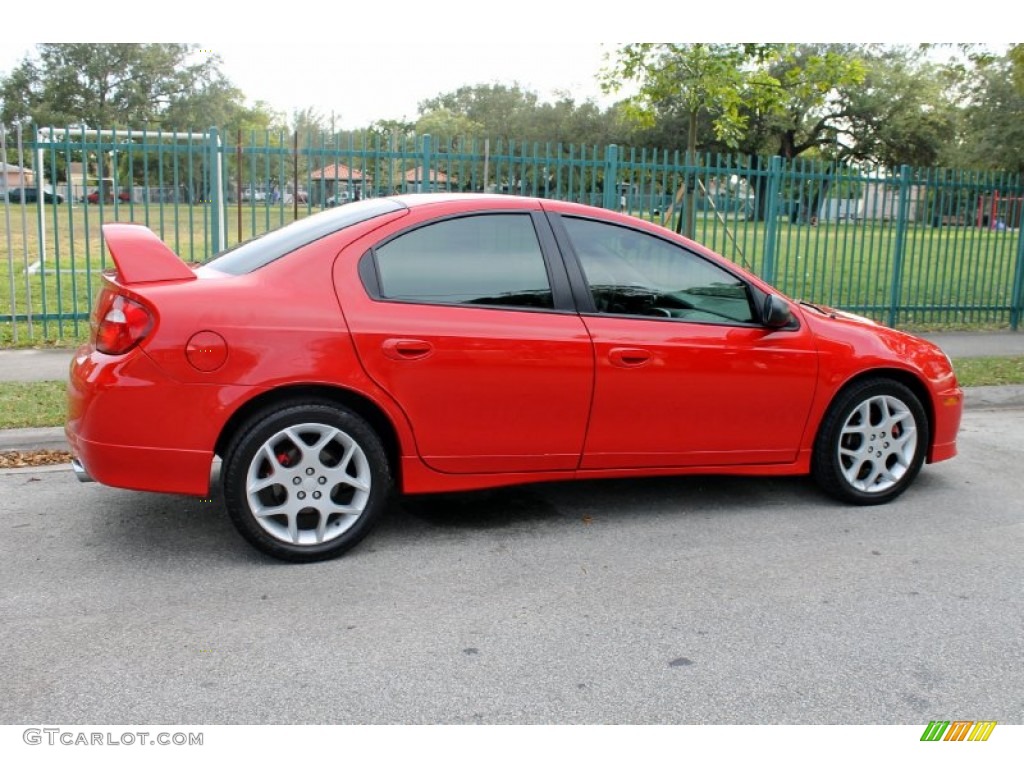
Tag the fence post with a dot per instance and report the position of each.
(771, 219)
(1017, 302)
(10, 249)
(216, 201)
(896, 289)
(611, 178)
(425, 180)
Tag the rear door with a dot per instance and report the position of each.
(467, 322)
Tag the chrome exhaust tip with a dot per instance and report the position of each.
(79, 470)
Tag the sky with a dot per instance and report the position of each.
(372, 60)
(364, 83)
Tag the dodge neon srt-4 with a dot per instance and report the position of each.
(451, 342)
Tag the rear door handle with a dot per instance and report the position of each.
(407, 349)
(629, 357)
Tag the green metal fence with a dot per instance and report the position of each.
(924, 248)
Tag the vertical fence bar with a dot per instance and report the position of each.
(295, 175)
(1017, 301)
(426, 160)
(771, 216)
(160, 178)
(216, 197)
(39, 266)
(54, 187)
(239, 177)
(10, 249)
(24, 231)
(899, 247)
(611, 178)
(147, 195)
(71, 228)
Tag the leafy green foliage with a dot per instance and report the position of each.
(511, 113)
(105, 85)
(991, 131)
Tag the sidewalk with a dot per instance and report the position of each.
(51, 364)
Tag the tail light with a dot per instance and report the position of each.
(119, 323)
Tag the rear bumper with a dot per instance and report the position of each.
(139, 468)
(130, 426)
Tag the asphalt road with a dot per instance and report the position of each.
(685, 601)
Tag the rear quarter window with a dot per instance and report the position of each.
(258, 252)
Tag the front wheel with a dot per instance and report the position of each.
(306, 481)
(872, 442)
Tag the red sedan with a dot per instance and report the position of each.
(94, 197)
(451, 342)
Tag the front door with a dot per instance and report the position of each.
(685, 376)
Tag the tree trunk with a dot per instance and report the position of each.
(818, 193)
(690, 180)
(761, 187)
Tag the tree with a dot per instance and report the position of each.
(503, 112)
(104, 85)
(1016, 58)
(991, 132)
(510, 113)
(900, 114)
(752, 99)
(689, 80)
(808, 107)
(444, 124)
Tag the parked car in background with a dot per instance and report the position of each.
(341, 198)
(94, 197)
(31, 195)
(288, 198)
(446, 342)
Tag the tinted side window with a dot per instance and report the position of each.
(634, 273)
(492, 259)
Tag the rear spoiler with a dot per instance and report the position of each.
(142, 257)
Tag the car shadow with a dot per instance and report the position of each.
(149, 525)
(534, 507)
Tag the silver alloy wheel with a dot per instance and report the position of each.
(308, 484)
(878, 444)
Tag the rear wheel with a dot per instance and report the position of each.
(872, 442)
(306, 481)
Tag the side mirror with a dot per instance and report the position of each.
(776, 312)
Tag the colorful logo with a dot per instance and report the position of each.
(958, 730)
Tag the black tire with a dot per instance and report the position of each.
(872, 442)
(348, 471)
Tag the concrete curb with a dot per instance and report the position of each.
(33, 439)
(52, 438)
(987, 398)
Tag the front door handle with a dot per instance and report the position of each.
(407, 349)
(629, 357)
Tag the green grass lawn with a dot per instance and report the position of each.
(42, 404)
(32, 404)
(989, 371)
